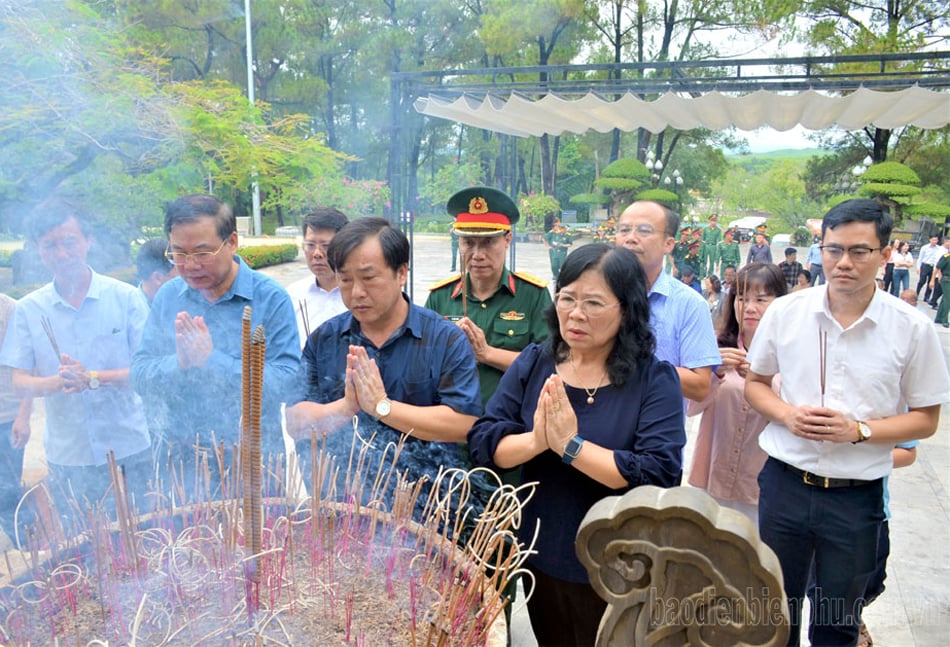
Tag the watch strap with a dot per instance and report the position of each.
(572, 449)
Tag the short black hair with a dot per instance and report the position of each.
(765, 276)
(394, 243)
(324, 218)
(860, 210)
(624, 276)
(52, 213)
(152, 258)
(190, 208)
(790, 250)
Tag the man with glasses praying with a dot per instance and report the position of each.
(678, 315)
(317, 298)
(71, 343)
(499, 311)
(859, 376)
(190, 355)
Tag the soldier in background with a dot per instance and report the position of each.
(712, 236)
(728, 252)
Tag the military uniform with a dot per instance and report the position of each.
(728, 254)
(559, 239)
(697, 251)
(511, 317)
(680, 250)
(712, 236)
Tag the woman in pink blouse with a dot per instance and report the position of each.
(727, 458)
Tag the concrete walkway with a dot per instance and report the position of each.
(914, 611)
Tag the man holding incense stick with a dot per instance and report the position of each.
(190, 355)
(317, 298)
(499, 311)
(861, 372)
(71, 343)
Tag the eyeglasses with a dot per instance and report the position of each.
(590, 307)
(200, 258)
(311, 247)
(858, 254)
(641, 230)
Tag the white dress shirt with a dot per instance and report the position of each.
(887, 360)
(930, 254)
(319, 304)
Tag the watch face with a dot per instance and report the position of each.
(383, 408)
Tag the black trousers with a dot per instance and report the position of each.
(926, 271)
(562, 613)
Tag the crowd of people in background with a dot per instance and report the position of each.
(583, 386)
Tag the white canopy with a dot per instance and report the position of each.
(553, 114)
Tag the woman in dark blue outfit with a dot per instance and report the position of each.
(590, 413)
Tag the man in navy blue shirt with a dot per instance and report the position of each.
(402, 370)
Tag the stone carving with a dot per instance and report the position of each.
(676, 568)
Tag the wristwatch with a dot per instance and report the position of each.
(93, 380)
(383, 407)
(572, 449)
(864, 432)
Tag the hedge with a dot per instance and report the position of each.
(260, 256)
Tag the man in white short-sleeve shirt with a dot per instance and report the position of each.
(858, 377)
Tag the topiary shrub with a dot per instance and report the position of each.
(258, 256)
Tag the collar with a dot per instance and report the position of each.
(94, 291)
(663, 285)
(507, 281)
(412, 325)
(873, 312)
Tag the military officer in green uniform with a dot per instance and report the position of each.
(499, 310)
(698, 250)
(729, 251)
(558, 241)
(712, 236)
(680, 250)
(942, 270)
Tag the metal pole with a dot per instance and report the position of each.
(255, 187)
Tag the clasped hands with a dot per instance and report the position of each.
(821, 423)
(193, 343)
(554, 420)
(364, 387)
(476, 337)
(74, 375)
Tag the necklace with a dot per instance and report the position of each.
(590, 392)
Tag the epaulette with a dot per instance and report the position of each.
(444, 282)
(530, 278)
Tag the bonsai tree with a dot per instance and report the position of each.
(622, 179)
(891, 183)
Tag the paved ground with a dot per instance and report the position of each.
(914, 611)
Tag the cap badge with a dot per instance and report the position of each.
(477, 205)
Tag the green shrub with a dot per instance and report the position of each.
(259, 256)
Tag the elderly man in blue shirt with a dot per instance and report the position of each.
(402, 370)
(190, 355)
(71, 343)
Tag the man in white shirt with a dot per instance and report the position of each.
(928, 257)
(858, 377)
(317, 298)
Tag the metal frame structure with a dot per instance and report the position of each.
(795, 74)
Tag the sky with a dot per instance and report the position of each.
(765, 140)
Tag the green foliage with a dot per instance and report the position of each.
(353, 197)
(626, 167)
(891, 173)
(447, 180)
(886, 189)
(258, 256)
(534, 206)
(929, 209)
(619, 183)
(662, 196)
(590, 198)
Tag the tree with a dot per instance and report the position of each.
(892, 184)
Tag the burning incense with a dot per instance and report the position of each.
(822, 360)
(465, 293)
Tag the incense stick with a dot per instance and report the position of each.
(822, 360)
(304, 317)
(48, 329)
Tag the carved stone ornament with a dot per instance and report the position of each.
(676, 568)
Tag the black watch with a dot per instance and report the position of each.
(572, 449)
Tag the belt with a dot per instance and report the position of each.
(824, 482)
